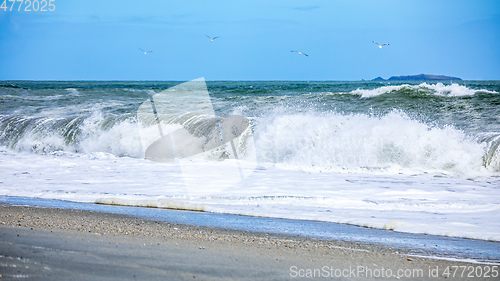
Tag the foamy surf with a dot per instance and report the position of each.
(438, 89)
(359, 143)
(309, 141)
(415, 158)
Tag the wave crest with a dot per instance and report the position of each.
(308, 141)
(361, 143)
(439, 89)
(96, 133)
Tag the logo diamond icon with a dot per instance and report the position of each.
(179, 125)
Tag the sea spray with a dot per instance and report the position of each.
(309, 141)
(119, 136)
(438, 89)
(358, 142)
(96, 133)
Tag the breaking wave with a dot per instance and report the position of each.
(439, 89)
(361, 143)
(96, 133)
(310, 141)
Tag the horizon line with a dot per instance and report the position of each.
(230, 80)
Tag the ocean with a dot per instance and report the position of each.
(416, 157)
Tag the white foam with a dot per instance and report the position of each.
(95, 133)
(73, 91)
(408, 203)
(121, 139)
(313, 142)
(391, 144)
(456, 259)
(439, 89)
(378, 91)
(453, 90)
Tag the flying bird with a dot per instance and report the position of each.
(300, 53)
(212, 38)
(145, 52)
(380, 46)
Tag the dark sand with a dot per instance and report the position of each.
(64, 244)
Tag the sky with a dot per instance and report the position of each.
(101, 40)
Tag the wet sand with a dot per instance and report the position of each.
(65, 244)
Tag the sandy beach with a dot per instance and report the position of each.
(65, 244)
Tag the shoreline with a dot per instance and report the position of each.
(87, 244)
(418, 244)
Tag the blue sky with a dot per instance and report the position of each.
(100, 40)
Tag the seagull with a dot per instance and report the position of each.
(212, 39)
(300, 53)
(380, 46)
(145, 52)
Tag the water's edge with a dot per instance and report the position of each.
(424, 245)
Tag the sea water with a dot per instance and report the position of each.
(410, 157)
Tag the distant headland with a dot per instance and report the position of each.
(420, 77)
